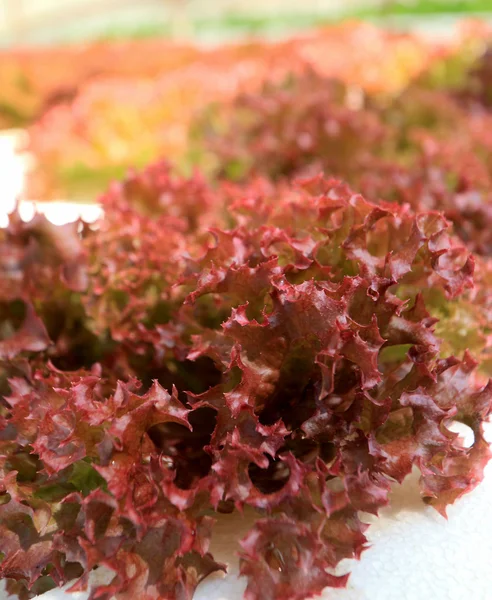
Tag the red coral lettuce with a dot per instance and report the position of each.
(287, 362)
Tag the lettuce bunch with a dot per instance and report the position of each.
(200, 350)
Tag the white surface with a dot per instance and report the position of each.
(415, 553)
(13, 168)
(59, 212)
